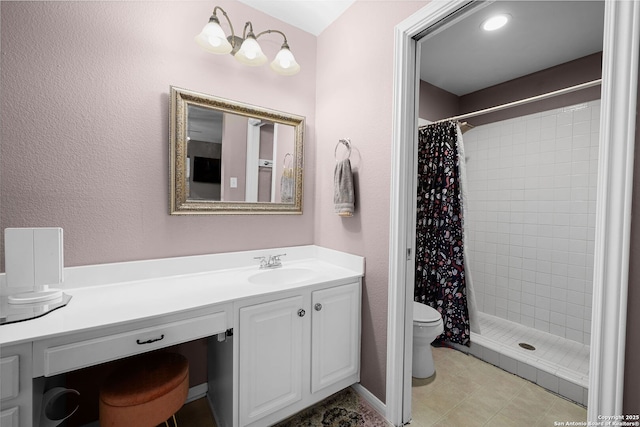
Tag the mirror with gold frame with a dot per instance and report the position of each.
(228, 157)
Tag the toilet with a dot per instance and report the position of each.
(427, 326)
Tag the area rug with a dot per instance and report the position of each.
(343, 409)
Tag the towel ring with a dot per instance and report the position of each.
(284, 161)
(347, 143)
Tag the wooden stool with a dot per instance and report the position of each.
(144, 392)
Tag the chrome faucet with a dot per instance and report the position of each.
(270, 261)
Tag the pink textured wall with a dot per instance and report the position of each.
(85, 124)
(354, 100)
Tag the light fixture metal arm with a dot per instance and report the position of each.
(233, 34)
(244, 31)
(274, 31)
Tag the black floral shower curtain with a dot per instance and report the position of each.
(440, 273)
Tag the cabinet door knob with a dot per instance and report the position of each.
(301, 313)
(318, 306)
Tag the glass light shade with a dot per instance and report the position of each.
(495, 22)
(250, 52)
(285, 63)
(212, 39)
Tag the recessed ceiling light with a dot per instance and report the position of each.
(495, 22)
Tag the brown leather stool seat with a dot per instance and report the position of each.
(145, 391)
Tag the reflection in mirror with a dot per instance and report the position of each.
(204, 153)
(229, 157)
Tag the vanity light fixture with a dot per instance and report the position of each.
(496, 22)
(245, 49)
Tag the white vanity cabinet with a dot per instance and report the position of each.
(279, 340)
(295, 350)
(16, 386)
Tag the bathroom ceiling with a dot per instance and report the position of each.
(540, 34)
(312, 16)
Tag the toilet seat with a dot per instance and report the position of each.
(423, 313)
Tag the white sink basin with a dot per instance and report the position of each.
(281, 276)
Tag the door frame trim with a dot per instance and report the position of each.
(613, 211)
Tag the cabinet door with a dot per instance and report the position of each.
(16, 386)
(10, 417)
(335, 335)
(10, 374)
(271, 354)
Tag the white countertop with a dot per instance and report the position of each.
(116, 303)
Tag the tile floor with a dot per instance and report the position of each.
(468, 392)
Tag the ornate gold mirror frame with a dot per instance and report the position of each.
(181, 203)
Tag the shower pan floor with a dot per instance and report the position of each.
(557, 364)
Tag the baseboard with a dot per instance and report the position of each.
(372, 400)
(196, 392)
(217, 420)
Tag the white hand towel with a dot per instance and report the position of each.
(343, 194)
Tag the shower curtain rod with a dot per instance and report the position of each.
(525, 101)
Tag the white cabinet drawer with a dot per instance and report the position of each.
(68, 357)
(9, 377)
(9, 417)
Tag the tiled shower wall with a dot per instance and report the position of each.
(531, 218)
